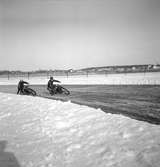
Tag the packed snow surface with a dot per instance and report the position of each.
(111, 79)
(46, 133)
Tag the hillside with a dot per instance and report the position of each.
(124, 68)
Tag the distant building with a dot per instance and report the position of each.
(70, 70)
(156, 67)
(102, 69)
(133, 68)
(121, 69)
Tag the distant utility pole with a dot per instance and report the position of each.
(47, 74)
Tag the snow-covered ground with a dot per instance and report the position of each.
(46, 133)
(132, 78)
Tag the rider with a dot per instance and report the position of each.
(21, 86)
(50, 86)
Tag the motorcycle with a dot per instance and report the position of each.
(28, 91)
(58, 89)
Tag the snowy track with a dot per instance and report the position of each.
(47, 133)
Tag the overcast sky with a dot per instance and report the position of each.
(62, 34)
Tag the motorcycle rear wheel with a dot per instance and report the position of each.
(30, 91)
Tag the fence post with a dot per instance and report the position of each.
(8, 75)
(28, 75)
(67, 74)
(87, 73)
(106, 73)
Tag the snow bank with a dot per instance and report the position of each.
(46, 133)
(113, 79)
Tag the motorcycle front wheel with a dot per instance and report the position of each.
(65, 91)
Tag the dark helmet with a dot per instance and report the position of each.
(51, 78)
